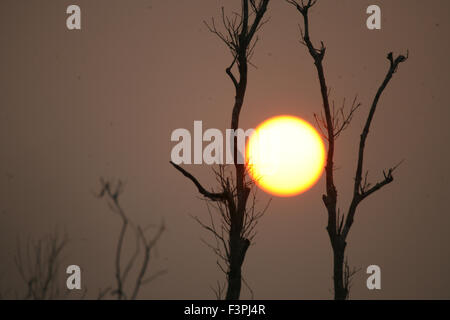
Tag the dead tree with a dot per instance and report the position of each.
(140, 258)
(332, 123)
(39, 264)
(240, 38)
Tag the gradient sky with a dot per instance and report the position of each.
(103, 101)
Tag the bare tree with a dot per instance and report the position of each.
(240, 38)
(39, 263)
(140, 259)
(332, 123)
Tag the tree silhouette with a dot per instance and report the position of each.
(238, 221)
(140, 259)
(332, 122)
(39, 264)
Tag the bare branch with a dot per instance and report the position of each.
(348, 275)
(141, 240)
(392, 69)
(388, 178)
(342, 120)
(252, 294)
(148, 246)
(203, 191)
(219, 290)
(330, 198)
(231, 75)
(39, 265)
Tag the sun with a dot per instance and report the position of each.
(285, 156)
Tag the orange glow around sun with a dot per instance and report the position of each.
(285, 156)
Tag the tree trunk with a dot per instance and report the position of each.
(238, 247)
(234, 283)
(340, 288)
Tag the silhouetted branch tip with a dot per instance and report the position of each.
(201, 189)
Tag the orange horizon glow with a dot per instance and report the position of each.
(285, 156)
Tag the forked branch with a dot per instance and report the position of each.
(113, 192)
(394, 63)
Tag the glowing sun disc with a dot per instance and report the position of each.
(285, 156)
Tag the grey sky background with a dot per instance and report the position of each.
(103, 101)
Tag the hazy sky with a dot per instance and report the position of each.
(103, 101)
